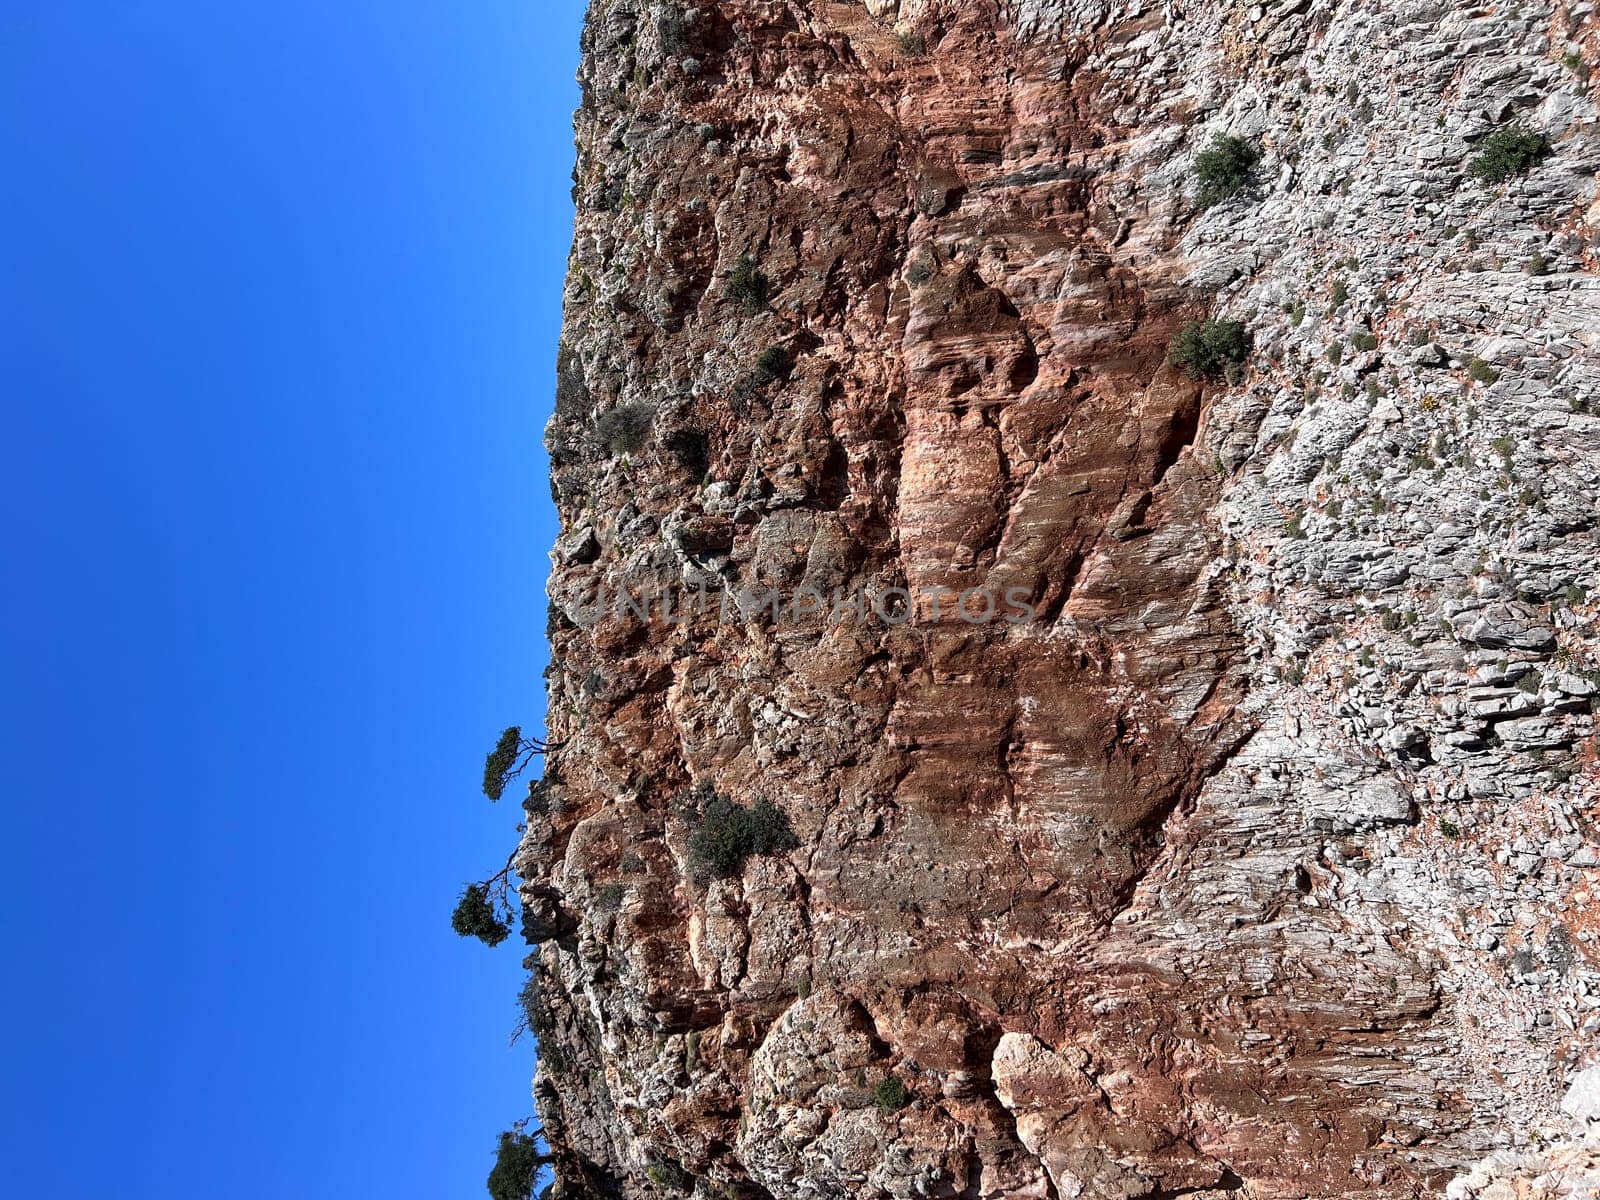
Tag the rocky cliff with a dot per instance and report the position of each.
(993, 763)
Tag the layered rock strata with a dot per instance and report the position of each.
(1246, 847)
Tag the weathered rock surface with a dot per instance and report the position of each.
(1257, 861)
(1567, 1165)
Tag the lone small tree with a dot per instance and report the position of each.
(749, 285)
(517, 1163)
(509, 758)
(476, 916)
(623, 429)
(1214, 349)
(1512, 150)
(485, 909)
(1225, 168)
(891, 1095)
(727, 834)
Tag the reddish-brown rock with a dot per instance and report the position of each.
(1063, 878)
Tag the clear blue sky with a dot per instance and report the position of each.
(281, 290)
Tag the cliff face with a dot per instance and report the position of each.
(1244, 848)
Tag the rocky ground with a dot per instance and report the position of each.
(1262, 861)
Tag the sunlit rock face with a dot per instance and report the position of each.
(1187, 781)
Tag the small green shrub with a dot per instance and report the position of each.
(1213, 349)
(1341, 292)
(1482, 371)
(1364, 340)
(673, 1179)
(749, 286)
(1226, 168)
(623, 429)
(476, 917)
(1513, 150)
(913, 44)
(1450, 829)
(728, 834)
(891, 1095)
(773, 365)
(1538, 264)
(516, 1167)
(530, 999)
(500, 767)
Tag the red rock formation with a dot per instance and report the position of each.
(1038, 879)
